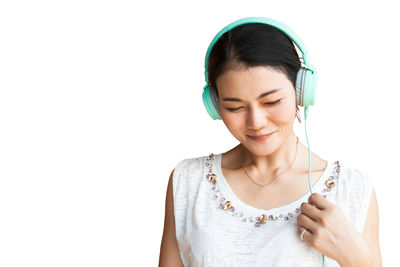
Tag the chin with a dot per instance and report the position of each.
(261, 148)
(261, 151)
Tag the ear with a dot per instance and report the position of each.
(298, 114)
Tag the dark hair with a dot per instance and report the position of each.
(252, 45)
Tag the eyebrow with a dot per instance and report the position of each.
(259, 97)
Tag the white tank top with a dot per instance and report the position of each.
(211, 233)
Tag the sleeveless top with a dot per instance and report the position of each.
(213, 232)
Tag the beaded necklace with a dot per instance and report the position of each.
(226, 205)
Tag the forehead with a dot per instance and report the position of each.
(253, 80)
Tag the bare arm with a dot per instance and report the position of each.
(169, 252)
(371, 231)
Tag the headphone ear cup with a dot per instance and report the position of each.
(300, 82)
(309, 87)
(211, 102)
(305, 87)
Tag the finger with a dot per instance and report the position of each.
(307, 223)
(311, 211)
(306, 235)
(318, 201)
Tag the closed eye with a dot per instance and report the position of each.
(268, 104)
(273, 103)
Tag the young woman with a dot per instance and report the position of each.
(251, 205)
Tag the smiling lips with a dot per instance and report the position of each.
(260, 137)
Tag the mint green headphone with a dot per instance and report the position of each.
(305, 80)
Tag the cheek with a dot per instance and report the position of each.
(232, 120)
(283, 113)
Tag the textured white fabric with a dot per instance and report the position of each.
(210, 236)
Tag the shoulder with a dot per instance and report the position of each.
(353, 178)
(355, 188)
(188, 170)
(186, 182)
(189, 164)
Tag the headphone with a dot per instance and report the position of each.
(304, 85)
(305, 79)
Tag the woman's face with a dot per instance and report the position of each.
(247, 107)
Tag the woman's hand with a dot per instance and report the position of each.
(329, 232)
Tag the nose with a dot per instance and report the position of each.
(256, 118)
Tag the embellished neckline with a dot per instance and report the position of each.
(251, 214)
(283, 208)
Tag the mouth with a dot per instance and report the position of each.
(260, 138)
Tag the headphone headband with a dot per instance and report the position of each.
(289, 32)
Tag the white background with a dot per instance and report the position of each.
(100, 100)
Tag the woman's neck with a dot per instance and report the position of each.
(273, 163)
